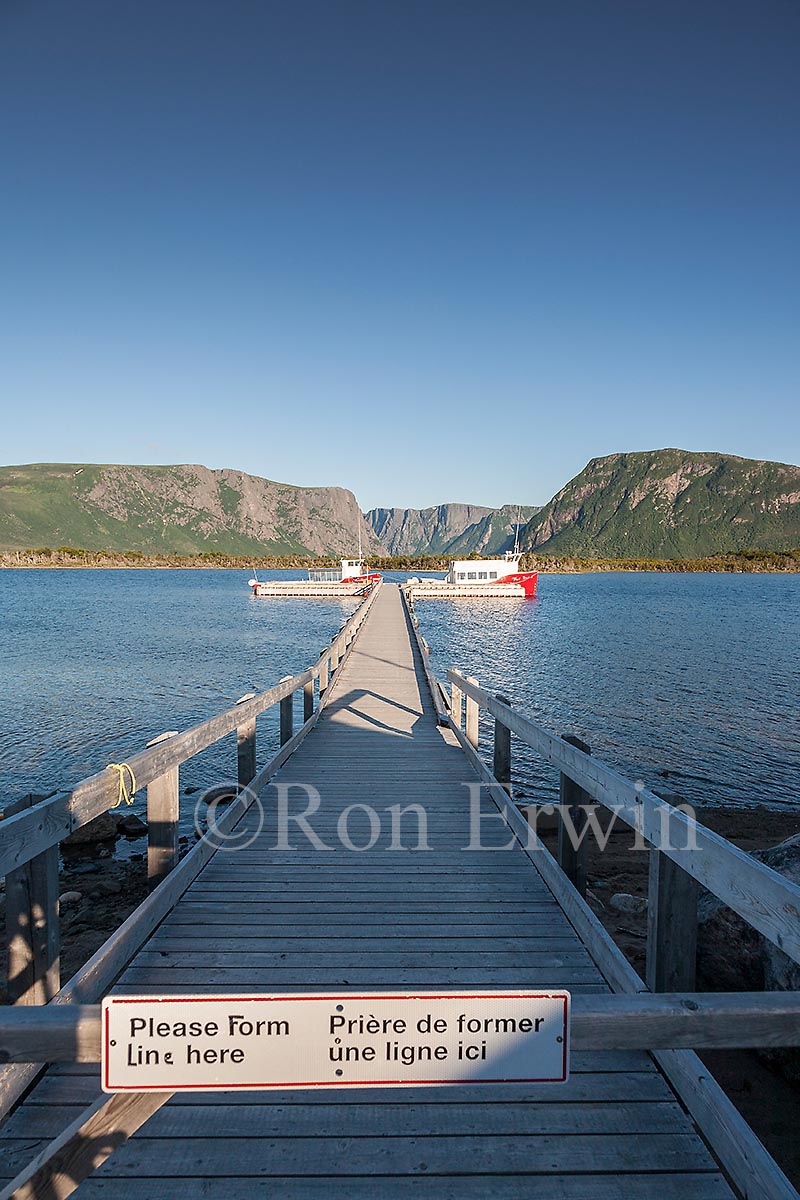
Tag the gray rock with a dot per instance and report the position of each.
(781, 973)
(82, 868)
(66, 899)
(106, 887)
(132, 826)
(733, 957)
(101, 829)
(624, 902)
(223, 794)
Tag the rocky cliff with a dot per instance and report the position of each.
(174, 509)
(447, 528)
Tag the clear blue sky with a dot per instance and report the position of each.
(426, 249)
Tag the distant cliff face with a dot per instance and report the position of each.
(447, 528)
(670, 504)
(174, 509)
(423, 530)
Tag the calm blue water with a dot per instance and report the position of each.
(93, 664)
(695, 675)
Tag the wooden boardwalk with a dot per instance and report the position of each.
(262, 919)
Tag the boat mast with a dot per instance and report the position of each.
(516, 533)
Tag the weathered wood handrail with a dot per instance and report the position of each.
(32, 926)
(750, 1166)
(96, 975)
(711, 1020)
(28, 833)
(438, 694)
(766, 900)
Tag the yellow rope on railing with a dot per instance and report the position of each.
(125, 793)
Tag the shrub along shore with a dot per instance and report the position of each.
(747, 561)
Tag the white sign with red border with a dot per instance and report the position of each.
(373, 1039)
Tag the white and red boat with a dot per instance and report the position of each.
(485, 577)
(350, 579)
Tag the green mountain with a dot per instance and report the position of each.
(670, 504)
(174, 510)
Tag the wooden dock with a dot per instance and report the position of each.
(306, 919)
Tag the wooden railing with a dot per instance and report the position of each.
(30, 834)
(72, 1033)
(683, 855)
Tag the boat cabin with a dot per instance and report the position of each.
(351, 568)
(486, 570)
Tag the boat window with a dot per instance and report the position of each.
(470, 574)
(493, 574)
(482, 575)
(461, 575)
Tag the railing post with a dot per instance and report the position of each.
(323, 674)
(246, 747)
(456, 702)
(287, 714)
(308, 700)
(32, 924)
(334, 654)
(573, 846)
(163, 811)
(502, 749)
(472, 716)
(671, 926)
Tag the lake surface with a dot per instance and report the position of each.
(697, 676)
(93, 664)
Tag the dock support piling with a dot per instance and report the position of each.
(456, 703)
(246, 747)
(32, 923)
(573, 847)
(163, 811)
(502, 749)
(287, 715)
(671, 926)
(473, 712)
(308, 700)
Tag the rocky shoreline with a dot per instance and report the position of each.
(748, 562)
(765, 1087)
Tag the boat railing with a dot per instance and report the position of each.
(325, 576)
